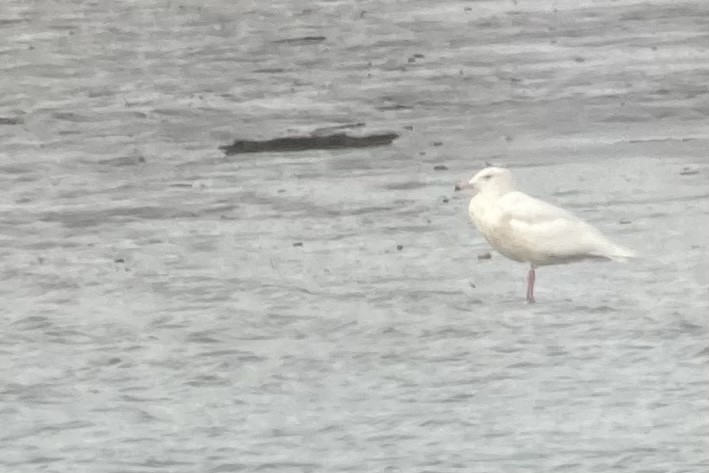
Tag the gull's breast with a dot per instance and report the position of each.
(498, 231)
(503, 238)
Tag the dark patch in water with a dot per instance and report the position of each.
(302, 41)
(395, 106)
(90, 218)
(303, 143)
(123, 161)
(405, 185)
(271, 70)
(10, 121)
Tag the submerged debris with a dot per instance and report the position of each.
(303, 143)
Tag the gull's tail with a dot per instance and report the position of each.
(618, 253)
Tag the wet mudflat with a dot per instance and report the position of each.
(167, 308)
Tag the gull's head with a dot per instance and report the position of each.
(491, 180)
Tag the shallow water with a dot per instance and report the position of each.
(159, 316)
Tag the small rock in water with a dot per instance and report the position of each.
(689, 172)
(298, 243)
(437, 143)
(445, 200)
(625, 222)
(399, 247)
(440, 167)
(485, 255)
(119, 260)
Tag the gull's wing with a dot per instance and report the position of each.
(550, 233)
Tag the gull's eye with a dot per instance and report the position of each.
(487, 178)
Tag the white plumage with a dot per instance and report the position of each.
(527, 229)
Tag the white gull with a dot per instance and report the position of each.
(529, 230)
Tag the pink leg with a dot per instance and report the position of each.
(530, 285)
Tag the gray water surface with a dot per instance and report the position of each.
(160, 313)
